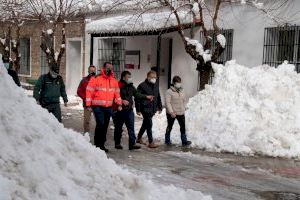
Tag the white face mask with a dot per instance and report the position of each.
(129, 81)
(53, 74)
(152, 80)
(177, 85)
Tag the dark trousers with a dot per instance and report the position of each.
(146, 126)
(181, 121)
(102, 117)
(54, 109)
(127, 117)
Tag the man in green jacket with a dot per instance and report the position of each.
(48, 90)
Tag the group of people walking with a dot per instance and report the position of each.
(106, 97)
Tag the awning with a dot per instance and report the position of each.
(138, 24)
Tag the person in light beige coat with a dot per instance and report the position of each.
(175, 107)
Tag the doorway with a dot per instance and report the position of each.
(73, 65)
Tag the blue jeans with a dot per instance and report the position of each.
(102, 117)
(146, 126)
(181, 121)
(127, 117)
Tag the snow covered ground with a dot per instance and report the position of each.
(245, 111)
(40, 159)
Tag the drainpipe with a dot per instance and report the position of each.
(92, 50)
(158, 56)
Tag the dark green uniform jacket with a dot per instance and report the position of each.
(48, 90)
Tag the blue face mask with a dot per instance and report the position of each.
(6, 65)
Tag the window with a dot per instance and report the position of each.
(177, 3)
(112, 50)
(25, 57)
(280, 44)
(227, 53)
(44, 63)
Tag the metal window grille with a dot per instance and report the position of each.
(25, 56)
(177, 3)
(44, 63)
(226, 55)
(280, 44)
(112, 50)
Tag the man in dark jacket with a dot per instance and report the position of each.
(148, 108)
(81, 92)
(48, 90)
(126, 115)
(9, 66)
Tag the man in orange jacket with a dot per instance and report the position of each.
(101, 92)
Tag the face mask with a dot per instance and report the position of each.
(108, 71)
(177, 85)
(152, 80)
(92, 73)
(129, 81)
(53, 74)
(6, 65)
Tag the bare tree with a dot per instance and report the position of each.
(54, 16)
(204, 15)
(12, 22)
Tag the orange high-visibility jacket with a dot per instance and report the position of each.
(103, 90)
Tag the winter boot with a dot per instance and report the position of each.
(104, 149)
(140, 141)
(133, 147)
(187, 143)
(118, 146)
(152, 145)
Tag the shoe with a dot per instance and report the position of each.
(118, 146)
(133, 147)
(187, 143)
(140, 141)
(104, 149)
(152, 145)
(168, 143)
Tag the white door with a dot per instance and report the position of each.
(74, 66)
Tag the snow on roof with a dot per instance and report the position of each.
(137, 22)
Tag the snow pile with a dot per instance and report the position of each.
(40, 159)
(245, 111)
(132, 23)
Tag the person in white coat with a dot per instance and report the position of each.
(175, 107)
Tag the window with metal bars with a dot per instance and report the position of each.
(112, 50)
(177, 3)
(226, 55)
(44, 63)
(280, 44)
(25, 68)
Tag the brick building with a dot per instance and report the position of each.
(33, 59)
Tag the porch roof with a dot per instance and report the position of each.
(138, 24)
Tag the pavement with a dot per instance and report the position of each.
(221, 175)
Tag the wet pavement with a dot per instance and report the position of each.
(223, 176)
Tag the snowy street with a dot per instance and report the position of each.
(223, 176)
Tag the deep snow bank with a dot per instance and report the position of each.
(40, 159)
(245, 110)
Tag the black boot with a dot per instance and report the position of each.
(133, 147)
(104, 149)
(118, 146)
(187, 143)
